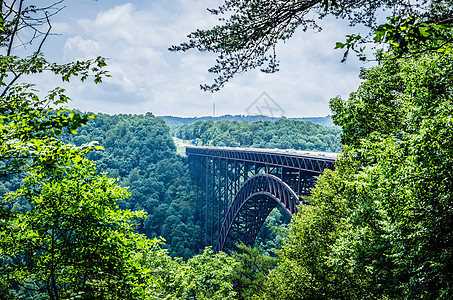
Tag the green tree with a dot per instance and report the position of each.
(209, 276)
(75, 241)
(204, 276)
(381, 224)
(283, 134)
(59, 213)
(28, 123)
(139, 152)
(250, 274)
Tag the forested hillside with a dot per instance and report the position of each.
(379, 226)
(139, 152)
(174, 122)
(282, 134)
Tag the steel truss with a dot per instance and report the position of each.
(237, 189)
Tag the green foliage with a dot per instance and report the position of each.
(428, 27)
(283, 134)
(61, 233)
(404, 33)
(5, 292)
(381, 224)
(249, 276)
(209, 276)
(28, 123)
(140, 153)
(75, 241)
(174, 122)
(205, 276)
(273, 231)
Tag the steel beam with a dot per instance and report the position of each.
(238, 188)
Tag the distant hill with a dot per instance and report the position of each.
(173, 122)
(282, 134)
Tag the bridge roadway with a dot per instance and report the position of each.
(310, 161)
(237, 188)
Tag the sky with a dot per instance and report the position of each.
(135, 36)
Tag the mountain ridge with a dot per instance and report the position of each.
(173, 121)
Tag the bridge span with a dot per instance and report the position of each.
(237, 188)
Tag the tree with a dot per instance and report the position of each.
(57, 205)
(28, 124)
(249, 275)
(381, 223)
(75, 241)
(139, 152)
(204, 276)
(247, 35)
(283, 134)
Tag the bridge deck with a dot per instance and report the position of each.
(310, 161)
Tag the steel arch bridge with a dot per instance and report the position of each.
(237, 188)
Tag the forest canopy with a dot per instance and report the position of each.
(282, 134)
(380, 225)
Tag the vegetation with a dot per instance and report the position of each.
(381, 223)
(381, 226)
(69, 239)
(205, 276)
(283, 134)
(174, 122)
(140, 154)
(74, 241)
(250, 273)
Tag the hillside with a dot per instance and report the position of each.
(282, 134)
(173, 122)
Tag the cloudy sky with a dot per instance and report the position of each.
(146, 77)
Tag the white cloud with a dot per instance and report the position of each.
(147, 77)
(62, 28)
(80, 48)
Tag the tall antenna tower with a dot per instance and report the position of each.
(213, 109)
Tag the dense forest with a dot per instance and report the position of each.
(174, 122)
(282, 134)
(380, 226)
(139, 152)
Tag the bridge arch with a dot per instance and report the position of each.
(256, 198)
